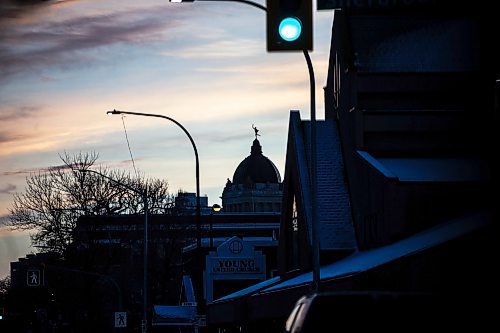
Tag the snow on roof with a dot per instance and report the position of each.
(364, 260)
(250, 290)
(333, 207)
(174, 315)
(429, 169)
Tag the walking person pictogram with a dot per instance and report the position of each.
(33, 277)
(120, 319)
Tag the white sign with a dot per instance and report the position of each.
(33, 277)
(120, 319)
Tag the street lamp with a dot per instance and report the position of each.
(144, 196)
(198, 206)
(314, 208)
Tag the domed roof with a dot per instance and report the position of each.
(256, 168)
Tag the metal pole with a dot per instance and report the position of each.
(145, 273)
(314, 206)
(211, 231)
(198, 207)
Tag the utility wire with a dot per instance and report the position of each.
(128, 144)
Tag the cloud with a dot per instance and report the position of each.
(8, 189)
(34, 171)
(61, 42)
(10, 120)
(6, 137)
(219, 49)
(21, 172)
(21, 112)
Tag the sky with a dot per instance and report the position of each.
(63, 64)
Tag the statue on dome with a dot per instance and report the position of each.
(256, 131)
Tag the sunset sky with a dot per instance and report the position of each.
(63, 64)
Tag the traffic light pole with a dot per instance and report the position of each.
(313, 177)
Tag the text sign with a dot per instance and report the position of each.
(237, 265)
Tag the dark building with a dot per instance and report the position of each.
(185, 204)
(46, 294)
(256, 186)
(405, 169)
(336, 237)
(414, 105)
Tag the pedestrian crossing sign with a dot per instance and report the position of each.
(33, 277)
(120, 319)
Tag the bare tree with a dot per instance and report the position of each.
(56, 197)
(4, 286)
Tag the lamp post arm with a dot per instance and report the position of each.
(198, 204)
(160, 116)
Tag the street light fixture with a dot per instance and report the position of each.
(198, 205)
(144, 196)
(314, 207)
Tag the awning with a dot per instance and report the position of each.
(250, 290)
(172, 315)
(364, 260)
(430, 169)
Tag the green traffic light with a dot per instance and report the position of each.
(290, 29)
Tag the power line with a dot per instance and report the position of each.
(128, 144)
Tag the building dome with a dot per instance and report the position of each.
(256, 168)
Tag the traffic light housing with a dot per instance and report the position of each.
(289, 25)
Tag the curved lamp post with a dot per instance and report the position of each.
(144, 196)
(314, 215)
(198, 207)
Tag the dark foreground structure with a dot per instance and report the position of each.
(405, 174)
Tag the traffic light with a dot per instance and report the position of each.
(289, 25)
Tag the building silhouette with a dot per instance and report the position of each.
(256, 185)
